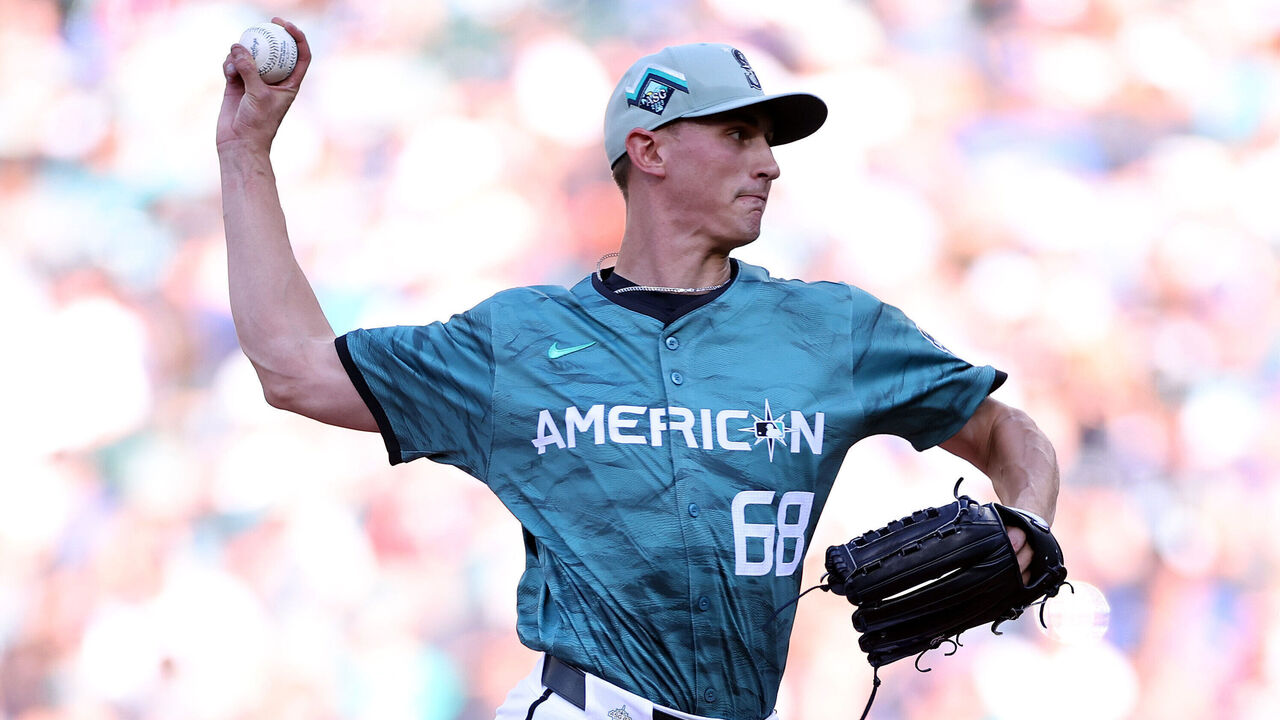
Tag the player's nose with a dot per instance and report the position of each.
(766, 166)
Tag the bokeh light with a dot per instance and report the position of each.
(1079, 614)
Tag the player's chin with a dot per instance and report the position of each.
(738, 240)
(744, 230)
(751, 228)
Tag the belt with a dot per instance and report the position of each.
(570, 683)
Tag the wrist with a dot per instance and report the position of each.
(240, 150)
(1036, 506)
(246, 162)
(1039, 519)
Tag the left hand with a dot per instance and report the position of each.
(1018, 537)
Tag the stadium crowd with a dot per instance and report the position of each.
(1079, 192)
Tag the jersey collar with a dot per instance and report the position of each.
(663, 307)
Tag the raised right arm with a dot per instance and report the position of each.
(279, 322)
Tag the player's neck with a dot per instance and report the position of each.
(672, 264)
(659, 250)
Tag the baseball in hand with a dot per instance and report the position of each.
(273, 49)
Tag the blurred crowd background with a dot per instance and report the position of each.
(1079, 192)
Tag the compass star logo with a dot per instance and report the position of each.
(768, 429)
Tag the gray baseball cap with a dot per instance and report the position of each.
(697, 80)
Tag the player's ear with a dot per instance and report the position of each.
(643, 148)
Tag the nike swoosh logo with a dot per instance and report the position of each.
(555, 351)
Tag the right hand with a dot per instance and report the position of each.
(251, 109)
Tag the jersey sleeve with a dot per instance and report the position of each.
(430, 388)
(911, 385)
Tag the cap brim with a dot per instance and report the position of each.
(794, 115)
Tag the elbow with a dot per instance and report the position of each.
(283, 395)
(283, 392)
(283, 374)
(276, 397)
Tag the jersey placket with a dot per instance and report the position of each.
(692, 507)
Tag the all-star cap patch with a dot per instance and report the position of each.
(655, 89)
(697, 80)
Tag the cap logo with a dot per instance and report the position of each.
(752, 80)
(655, 89)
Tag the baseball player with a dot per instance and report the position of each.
(667, 430)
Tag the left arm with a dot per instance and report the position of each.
(1005, 444)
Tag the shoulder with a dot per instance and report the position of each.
(518, 310)
(524, 299)
(816, 292)
(528, 293)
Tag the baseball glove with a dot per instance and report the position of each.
(923, 580)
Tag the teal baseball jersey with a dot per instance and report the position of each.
(668, 477)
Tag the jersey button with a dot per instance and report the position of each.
(704, 603)
(677, 378)
(673, 343)
(709, 695)
(694, 510)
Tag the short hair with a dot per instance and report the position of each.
(622, 174)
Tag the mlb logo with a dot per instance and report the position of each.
(770, 429)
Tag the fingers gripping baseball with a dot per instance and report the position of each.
(304, 53)
(252, 110)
